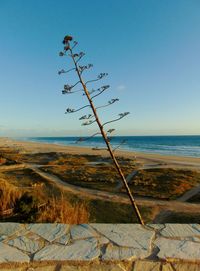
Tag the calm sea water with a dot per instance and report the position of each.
(166, 145)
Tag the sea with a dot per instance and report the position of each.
(165, 145)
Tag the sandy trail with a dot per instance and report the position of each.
(163, 205)
(189, 194)
(107, 196)
(12, 167)
(135, 172)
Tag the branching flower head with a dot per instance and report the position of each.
(67, 39)
(61, 71)
(67, 87)
(69, 110)
(110, 131)
(101, 75)
(124, 114)
(89, 116)
(105, 87)
(87, 122)
(112, 101)
(85, 67)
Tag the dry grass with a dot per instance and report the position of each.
(14, 184)
(164, 183)
(61, 211)
(8, 195)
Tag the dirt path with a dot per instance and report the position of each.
(135, 172)
(96, 194)
(189, 194)
(12, 167)
(162, 214)
(163, 205)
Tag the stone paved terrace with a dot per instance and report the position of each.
(99, 247)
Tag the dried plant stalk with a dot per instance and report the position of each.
(79, 71)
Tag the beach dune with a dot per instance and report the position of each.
(143, 158)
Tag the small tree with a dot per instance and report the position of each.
(93, 117)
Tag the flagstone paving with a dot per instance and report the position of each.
(125, 247)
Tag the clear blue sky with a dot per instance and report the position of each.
(150, 48)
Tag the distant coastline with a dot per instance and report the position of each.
(184, 145)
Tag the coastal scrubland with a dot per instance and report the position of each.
(164, 183)
(66, 187)
(32, 204)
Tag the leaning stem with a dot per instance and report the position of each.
(134, 205)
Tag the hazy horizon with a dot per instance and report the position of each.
(117, 135)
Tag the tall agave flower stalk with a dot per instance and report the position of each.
(69, 46)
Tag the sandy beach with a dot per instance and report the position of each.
(142, 158)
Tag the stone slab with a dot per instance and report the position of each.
(63, 240)
(49, 232)
(126, 235)
(113, 253)
(7, 229)
(11, 254)
(177, 249)
(185, 230)
(82, 231)
(25, 244)
(110, 246)
(103, 240)
(80, 250)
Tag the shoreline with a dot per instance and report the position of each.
(144, 158)
(180, 152)
(121, 150)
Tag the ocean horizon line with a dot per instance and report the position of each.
(62, 136)
(166, 145)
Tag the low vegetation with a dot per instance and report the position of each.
(164, 183)
(156, 183)
(22, 201)
(116, 212)
(47, 203)
(89, 172)
(9, 194)
(195, 198)
(25, 196)
(62, 211)
(181, 217)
